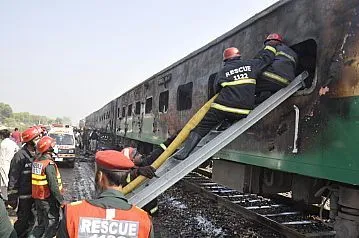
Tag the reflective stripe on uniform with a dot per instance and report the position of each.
(26, 172)
(39, 177)
(286, 55)
(24, 196)
(230, 109)
(128, 179)
(153, 210)
(271, 48)
(163, 146)
(276, 77)
(75, 203)
(39, 182)
(238, 82)
(13, 191)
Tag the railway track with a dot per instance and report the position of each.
(278, 216)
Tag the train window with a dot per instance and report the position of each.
(163, 101)
(138, 108)
(148, 106)
(123, 112)
(129, 111)
(307, 57)
(184, 96)
(211, 79)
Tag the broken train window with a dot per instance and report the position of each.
(184, 96)
(148, 105)
(163, 101)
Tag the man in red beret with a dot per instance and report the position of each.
(110, 214)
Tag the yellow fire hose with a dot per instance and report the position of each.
(181, 137)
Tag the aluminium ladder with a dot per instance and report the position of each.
(173, 170)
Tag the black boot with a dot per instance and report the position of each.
(189, 145)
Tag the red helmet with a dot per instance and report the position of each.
(45, 143)
(230, 53)
(30, 133)
(274, 36)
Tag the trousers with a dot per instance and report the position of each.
(25, 217)
(213, 118)
(48, 215)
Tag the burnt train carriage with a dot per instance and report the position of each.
(267, 158)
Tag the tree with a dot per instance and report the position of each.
(58, 120)
(66, 120)
(5, 111)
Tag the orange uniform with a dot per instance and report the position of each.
(84, 219)
(39, 181)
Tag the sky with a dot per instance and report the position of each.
(71, 57)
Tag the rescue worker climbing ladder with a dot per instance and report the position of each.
(46, 190)
(280, 73)
(235, 83)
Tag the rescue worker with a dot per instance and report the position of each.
(46, 190)
(143, 163)
(235, 83)
(6, 229)
(19, 187)
(280, 73)
(110, 215)
(94, 137)
(143, 167)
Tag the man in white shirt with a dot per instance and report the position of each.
(7, 150)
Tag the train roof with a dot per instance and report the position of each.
(219, 39)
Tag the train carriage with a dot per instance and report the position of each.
(270, 157)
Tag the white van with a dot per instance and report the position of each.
(65, 144)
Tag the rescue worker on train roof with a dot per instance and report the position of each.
(19, 187)
(46, 190)
(235, 84)
(110, 214)
(280, 73)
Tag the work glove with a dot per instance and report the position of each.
(147, 171)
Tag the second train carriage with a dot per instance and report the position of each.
(267, 158)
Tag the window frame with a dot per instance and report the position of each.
(181, 103)
(138, 108)
(146, 111)
(123, 112)
(129, 110)
(166, 92)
